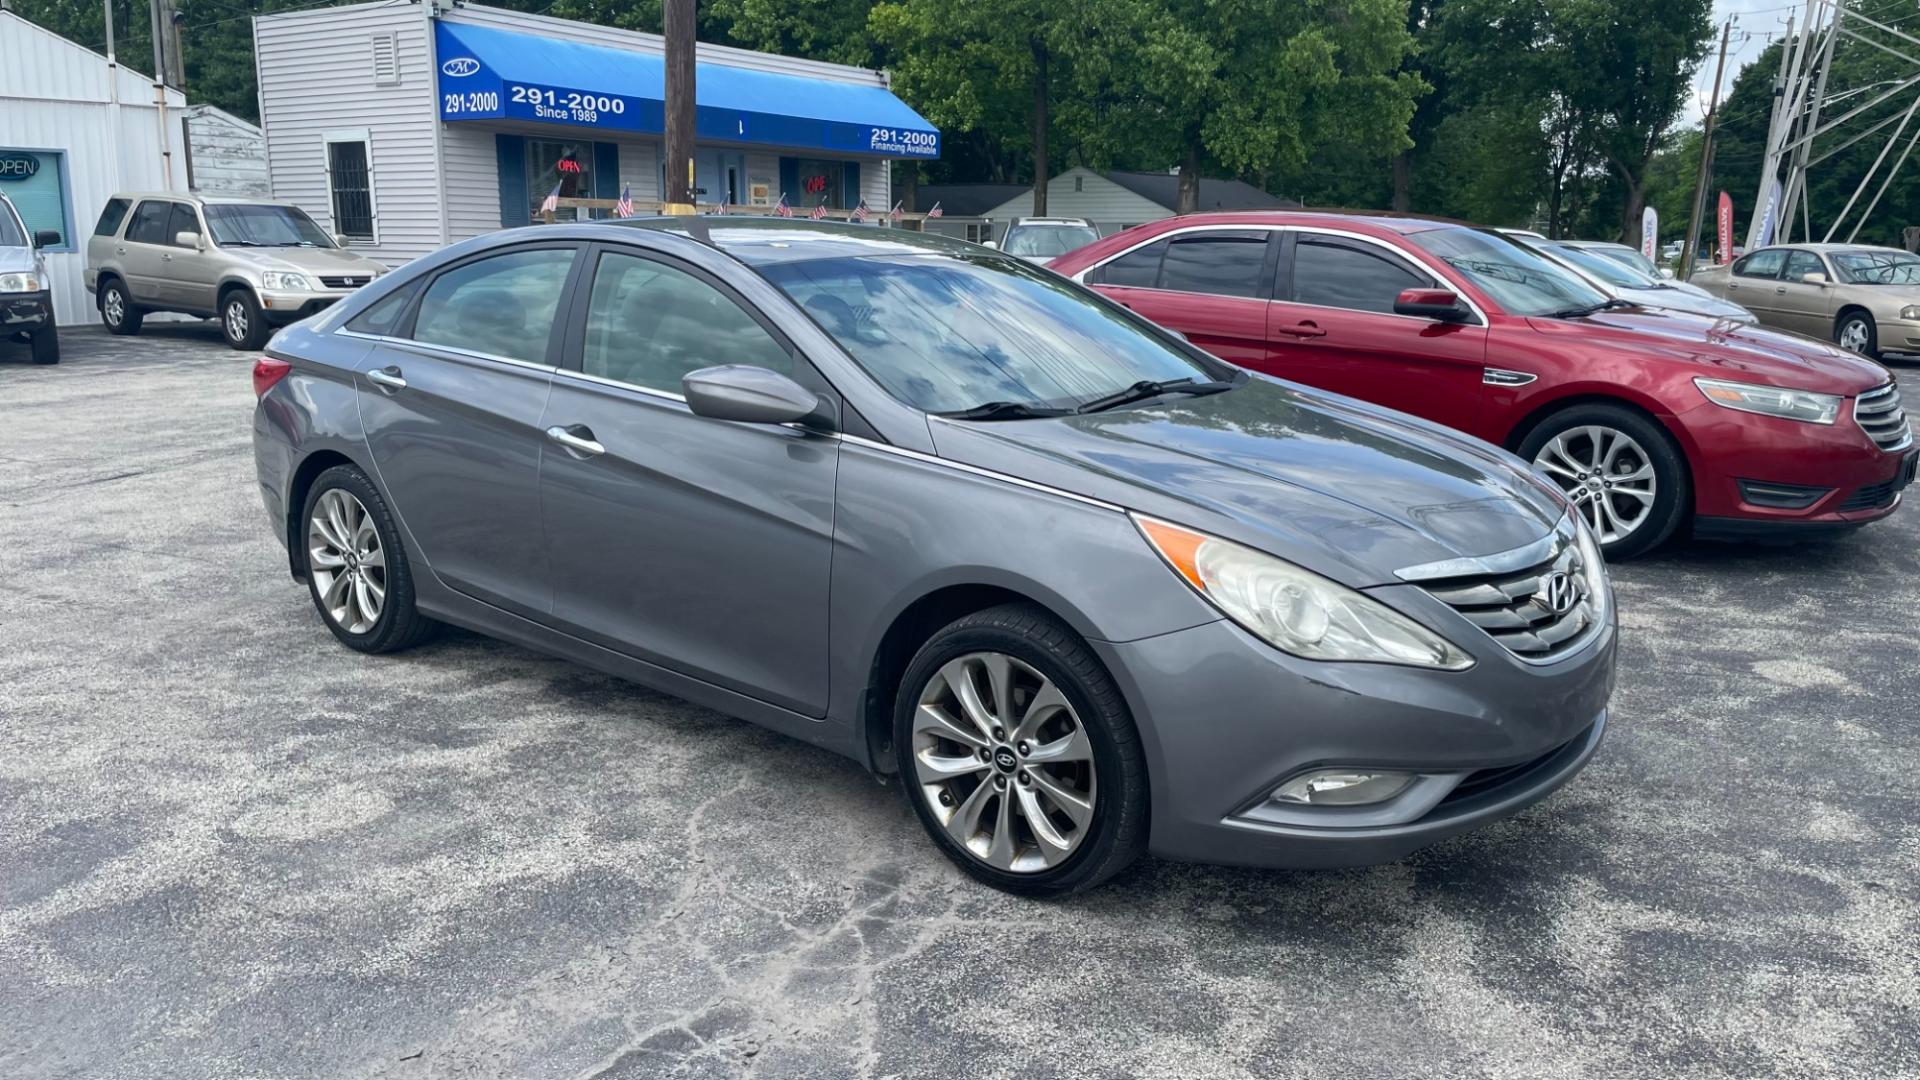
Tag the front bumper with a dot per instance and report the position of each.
(1225, 718)
(1897, 335)
(282, 308)
(1851, 482)
(25, 312)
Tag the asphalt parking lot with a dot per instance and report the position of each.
(231, 848)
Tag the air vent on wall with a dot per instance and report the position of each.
(386, 59)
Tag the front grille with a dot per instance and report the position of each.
(1515, 608)
(350, 282)
(1879, 414)
(1871, 497)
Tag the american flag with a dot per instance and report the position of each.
(896, 212)
(783, 209)
(624, 208)
(860, 212)
(722, 208)
(818, 212)
(935, 212)
(552, 202)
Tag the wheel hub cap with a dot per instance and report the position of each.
(1606, 473)
(346, 560)
(1004, 762)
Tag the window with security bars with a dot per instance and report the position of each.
(349, 182)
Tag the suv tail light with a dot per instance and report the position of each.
(266, 372)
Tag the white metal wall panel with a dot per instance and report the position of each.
(229, 155)
(316, 76)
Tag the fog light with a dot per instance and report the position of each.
(1342, 787)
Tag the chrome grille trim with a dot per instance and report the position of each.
(1497, 594)
(1880, 415)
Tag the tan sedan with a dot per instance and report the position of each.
(1866, 299)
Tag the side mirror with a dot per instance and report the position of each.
(751, 395)
(46, 238)
(990, 244)
(1814, 277)
(1666, 272)
(187, 240)
(1440, 305)
(339, 241)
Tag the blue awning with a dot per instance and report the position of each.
(489, 74)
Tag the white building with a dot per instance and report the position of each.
(404, 127)
(74, 129)
(225, 154)
(1111, 200)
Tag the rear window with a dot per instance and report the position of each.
(1137, 269)
(1217, 263)
(111, 217)
(149, 225)
(1761, 264)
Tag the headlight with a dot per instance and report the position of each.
(1295, 610)
(1910, 312)
(1599, 591)
(285, 281)
(1804, 405)
(27, 282)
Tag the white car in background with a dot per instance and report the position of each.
(1041, 240)
(1627, 282)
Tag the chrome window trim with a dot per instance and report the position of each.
(975, 470)
(1500, 562)
(454, 350)
(601, 380)
(1419, 260)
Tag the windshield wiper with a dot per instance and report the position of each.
(1002, 410)
(1146, 389)
(1577, 312)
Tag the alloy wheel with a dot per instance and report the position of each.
(114, 307)
(344, 556)
(236, 320)
(1004, 762)
(1606, 473)
(1853, 336)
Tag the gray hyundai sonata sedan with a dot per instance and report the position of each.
(1086, 590)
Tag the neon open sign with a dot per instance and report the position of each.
(18, 166)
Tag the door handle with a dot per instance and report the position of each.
(119, 251)
(166, 256)
(387, 378)
(1302, 330)
(1779, 288)
(578, 440)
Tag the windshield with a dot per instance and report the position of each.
(263, 225)
(1628, 257)
(1878, 267)
(1519, 279)
(1618, 274)
(947, 334)
(11, 234)
(1046, 241)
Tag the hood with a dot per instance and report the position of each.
(312, 260)
(1347, 489)
(1691, 301)
(1720, 348)
(17, 259)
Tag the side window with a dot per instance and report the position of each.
(150, 222)
(1762, 264)
(1331, 273)
(648, 324)
(183, 220)
(1217, 263)
(1138, 269)
(1803, 262)
(383, 316)
(503, 305)
(111, 217)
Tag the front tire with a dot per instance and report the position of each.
(357, 572)
(1019, 755)
(1857, 332)
(46, 346)
(1622, 471)
(117, 309)
(241, 321)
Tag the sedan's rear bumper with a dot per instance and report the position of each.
(1225, 719)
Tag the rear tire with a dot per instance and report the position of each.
(1606, 458)
(46, 346)
(357, 571)
(117, 309)
(1857, 332)
(1033, 780)
(242, 322)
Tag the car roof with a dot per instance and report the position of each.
(759, 241)
(1051, 221)
(1833, 247)
(200, 197)
(1384, 221)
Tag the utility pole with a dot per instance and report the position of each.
(678, 18)
(1706, 159)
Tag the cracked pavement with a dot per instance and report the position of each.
(231, 848)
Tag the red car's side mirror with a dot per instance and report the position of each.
(1442, 305)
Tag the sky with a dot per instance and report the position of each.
(1755, 23)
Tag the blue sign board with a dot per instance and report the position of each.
(16, 167)
(488, 74)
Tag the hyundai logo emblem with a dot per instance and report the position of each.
(1558, 592)
(460, 66)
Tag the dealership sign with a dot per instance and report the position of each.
(1724, 254)
(17, 166)
(1650, 233)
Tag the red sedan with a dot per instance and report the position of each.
(1642, 417)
